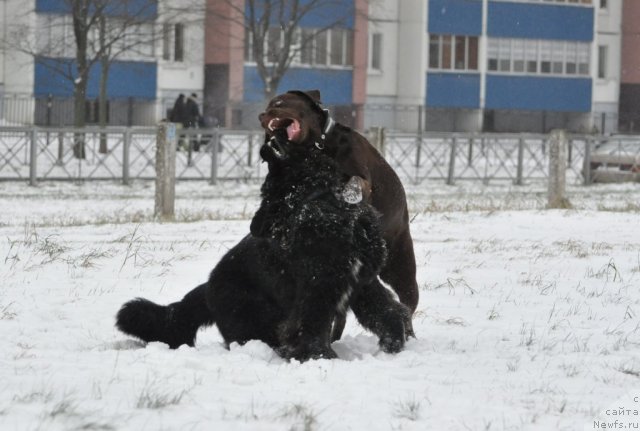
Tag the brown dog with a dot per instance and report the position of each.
(304, 119)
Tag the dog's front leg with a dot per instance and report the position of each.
(306, 334)
(377, 310)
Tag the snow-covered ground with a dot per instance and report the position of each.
(528, 318)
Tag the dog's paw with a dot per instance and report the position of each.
(303, 352)
(392, 344)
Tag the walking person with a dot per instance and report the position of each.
(192, 117)
(178, 116)
(178, 110)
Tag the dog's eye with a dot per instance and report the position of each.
(278, 103)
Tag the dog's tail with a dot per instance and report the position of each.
(175, 324)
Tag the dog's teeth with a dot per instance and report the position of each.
(270, 125)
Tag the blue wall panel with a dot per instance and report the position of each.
(453, 90)
(538, 94)
(147, 9)
(126, 79)
(462, 17)
(323, 14)
(336, 86)
(540, 21)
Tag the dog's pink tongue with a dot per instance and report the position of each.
(293, 130)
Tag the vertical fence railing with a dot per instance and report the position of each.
(33, 157)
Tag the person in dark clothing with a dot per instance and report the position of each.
(177, 114)
(192, 117)
(192, 112)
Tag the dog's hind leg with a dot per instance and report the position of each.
(377, 310)
(400, 270)
(339, 322)
(175, 324)
(244, 312)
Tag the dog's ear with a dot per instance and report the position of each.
(314, 95)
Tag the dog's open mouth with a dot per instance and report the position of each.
(291, 125)
(278, 149)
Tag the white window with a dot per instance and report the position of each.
(492, 54)
(602, 61)
(375, 55)
(173, 42)
(583, 59)
(557, 58)
(504, 55)
(54, 37)
(449, 52)
(545, 56)
(518, 55)
(130, 41)
(309, 46)
(570, 2)
(530, 56)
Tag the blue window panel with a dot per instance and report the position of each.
(336, 86)
(453, 90)
(462, 17)
(339, 13)
(538, 94)
(540, 21)
(126, 79)
(147, 9)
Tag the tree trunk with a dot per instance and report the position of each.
(102, 97)
(80, 14)
(79, 100)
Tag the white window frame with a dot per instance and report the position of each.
(375, 51)
(452, 53)
(603, 53)
(345, 33)
(579, 3)
(538, 51)
(169, 42)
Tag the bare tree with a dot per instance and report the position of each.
(275, 37)
(87, 33)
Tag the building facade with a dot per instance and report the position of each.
(497, 65)
(447, 65)
(630, 76)
(158, 54)
(332, 61)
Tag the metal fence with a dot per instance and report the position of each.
(124, 154)
(50, 111)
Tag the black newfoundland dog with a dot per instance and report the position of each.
(311, 254)
(358, 161)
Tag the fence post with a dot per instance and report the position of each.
(250, 150)
(586, 166)
(33, 157)
(520, 166)
(558, 170)
(165, 172)
(215, 147)
(60, 159)
(126, 147)
(452, 162)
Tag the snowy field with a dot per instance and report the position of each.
(529, 319)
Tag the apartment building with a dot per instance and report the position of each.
(497, 65)
(334, 61)
(630, 74)
(450, 65)
(160, 54)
